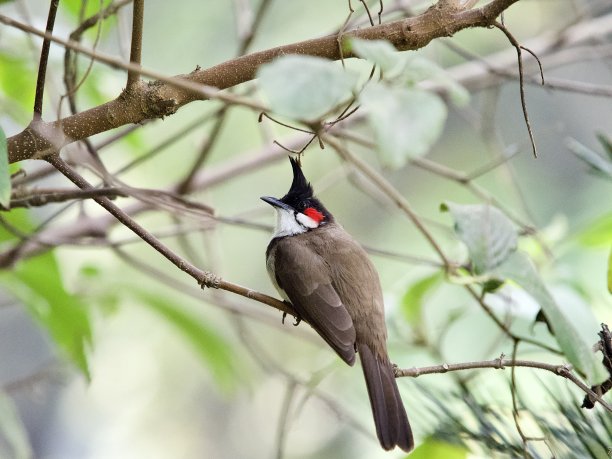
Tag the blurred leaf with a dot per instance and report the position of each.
(599, 164)
(492, 285)
(406, 122)
(37, 282)
(305, 87)
(408, 68)
(521, 270)
(606, 143)
(378, 52)
(75, 7)
(413, 299)
(18, 219)
(14, 442)
(432, 448)
(488, 234)
(598, 233)
(208, 344)
(5, 175)
(17, 81)
(418, 68)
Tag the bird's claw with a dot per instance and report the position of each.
(298, 319)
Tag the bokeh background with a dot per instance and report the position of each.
(234, 382)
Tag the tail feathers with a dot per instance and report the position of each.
(392, 427)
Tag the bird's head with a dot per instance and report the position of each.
(298, 211)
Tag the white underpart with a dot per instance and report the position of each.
(288, 223)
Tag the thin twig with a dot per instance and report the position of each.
(365, 6)
(44, 58)
(390, 191)
(500, 364)
(44, 197)
(204, 278)
(519, 56)
(246, 42)
(185, 185)
(136, 45)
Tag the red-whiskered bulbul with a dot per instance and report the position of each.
(331, 283)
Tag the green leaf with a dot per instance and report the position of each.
(5, 175)
(432, 448)
(520, 269)
(488, 234)
(414, 298)
(598, 163)
(208, 344)
(598, 233)
(305, 87)
(37, 282)
(17, 81)
(406, 122)
(14, 442)
(379, 52)
(16, 218)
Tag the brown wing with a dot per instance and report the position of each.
(305, 279)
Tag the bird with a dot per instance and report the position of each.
(327, 277)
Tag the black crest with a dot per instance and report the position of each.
(300, 191)
(301, 195)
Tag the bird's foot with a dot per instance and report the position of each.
(298, 319)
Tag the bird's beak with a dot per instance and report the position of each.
(276, 203)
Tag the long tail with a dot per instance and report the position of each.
(392, 427)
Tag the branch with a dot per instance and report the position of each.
(391, 192)
(44, 58)
(204, 278)
(165, 96)
(519, 56)
(136, 47)
(500, 364)
(41, 197)
(253, 160)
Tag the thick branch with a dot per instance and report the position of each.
(161, 99)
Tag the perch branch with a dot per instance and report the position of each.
(204, 278)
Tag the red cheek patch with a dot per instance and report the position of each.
(314, 214)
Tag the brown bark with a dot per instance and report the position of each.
(162, 98)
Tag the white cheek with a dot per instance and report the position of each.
(307, 221)
(286, 224)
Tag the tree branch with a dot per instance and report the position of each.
(167, 95)
(500, 364)
(204, 278)
(136, 47)
(44, 58)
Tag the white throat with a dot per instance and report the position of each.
(289, 223)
